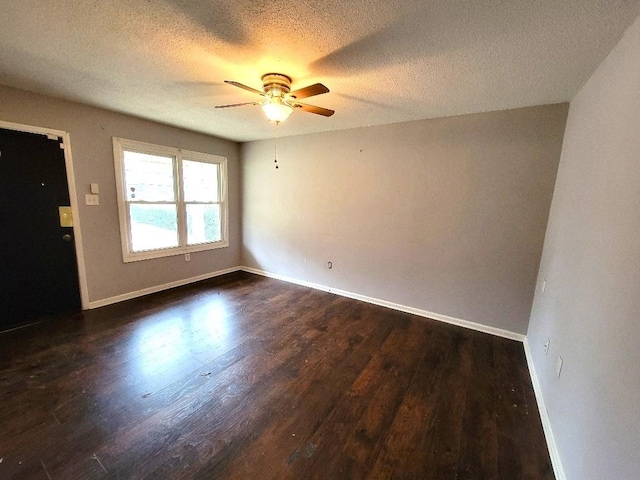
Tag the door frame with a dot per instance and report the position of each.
(68, 161)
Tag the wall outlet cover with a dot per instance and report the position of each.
(90, 199)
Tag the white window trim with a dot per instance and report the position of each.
(122, 144)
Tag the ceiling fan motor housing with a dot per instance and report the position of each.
(276, 82)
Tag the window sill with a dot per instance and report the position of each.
(129, 257)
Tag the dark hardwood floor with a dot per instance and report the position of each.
(247, 377)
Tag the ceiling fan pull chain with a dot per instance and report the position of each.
(275, 154)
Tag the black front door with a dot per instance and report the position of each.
(38, 269)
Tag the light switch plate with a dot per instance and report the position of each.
(95, 188)
(90, 199)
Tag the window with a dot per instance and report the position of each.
(170, 201)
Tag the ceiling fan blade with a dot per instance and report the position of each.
(244, 87)
(313, 109)
(237, 104)
(310, 91)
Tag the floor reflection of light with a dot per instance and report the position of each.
(186, 331)
(160, 345)
(214, 321)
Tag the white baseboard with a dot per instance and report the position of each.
(544, 416)
(159, 288)
(395, 306)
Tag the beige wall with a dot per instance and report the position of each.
(91, 130)
(444, 215)
(590, 309)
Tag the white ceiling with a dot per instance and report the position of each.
(385, 61)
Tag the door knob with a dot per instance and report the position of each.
(66, 237)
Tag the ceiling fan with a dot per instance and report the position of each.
(279, 101)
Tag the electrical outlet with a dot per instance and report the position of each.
(90, 199)
(546, 346)
(187, 257)
(558, 366)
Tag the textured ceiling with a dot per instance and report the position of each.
(385, 61)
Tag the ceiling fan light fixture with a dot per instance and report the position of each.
(279, 101)
(276, 110)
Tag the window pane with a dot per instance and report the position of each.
(148, 177)
(153, 226)
(203, 224)
(200, 181)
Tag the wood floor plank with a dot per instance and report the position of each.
(284, 435)
(231, 392)
(478, 455)
(394, 364)
(520, 451)
(433, 404)
(108, 395)
(272, 402)
(247, 377)
(338, 429)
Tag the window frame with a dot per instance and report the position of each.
(120, 145)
